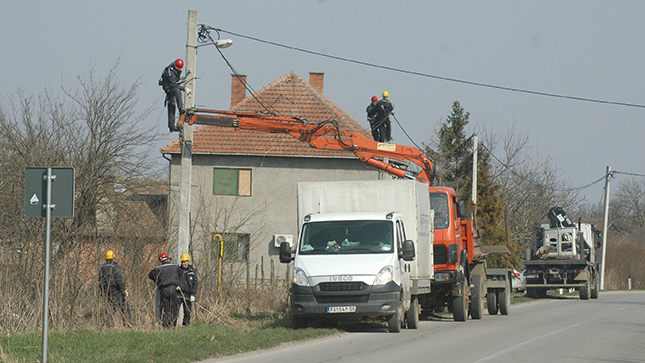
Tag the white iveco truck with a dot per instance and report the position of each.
(364, 251)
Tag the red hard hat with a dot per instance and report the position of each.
(179, 64)
(164, 256)
(374, 99)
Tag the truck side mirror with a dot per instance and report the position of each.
(285, 252)
(408, 250)
(461, 209)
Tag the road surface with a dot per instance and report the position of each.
(610, 329)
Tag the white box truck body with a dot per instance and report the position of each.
(352, 260)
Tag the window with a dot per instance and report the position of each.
(439, 202)
(346, 237)
(236, 246)
(227, 181)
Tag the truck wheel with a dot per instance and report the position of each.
(594, 289)
(477, 298)
(584, 291)
(412, 315)
(298, 322)
(504, 299)
(394, 323)
(460, 304)
(491, 300)
(531, 292)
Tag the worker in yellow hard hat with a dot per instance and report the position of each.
(384, 109)
(189, 285)
(111, 286)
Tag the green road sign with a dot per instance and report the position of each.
(62, 192)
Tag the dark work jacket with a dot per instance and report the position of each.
(371, 111)
(111, 278)
(383, 109)
(166, 274)
(189, 282)
(170, 78)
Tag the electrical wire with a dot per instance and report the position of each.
(204, 35)
(625, 173)
(566, 190)
(421, 74)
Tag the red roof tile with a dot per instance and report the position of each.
(289, 96)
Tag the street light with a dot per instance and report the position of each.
(223, 43)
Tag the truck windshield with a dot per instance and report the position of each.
(346, 237)
(439, 202)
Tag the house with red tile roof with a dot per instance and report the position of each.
(244, 182)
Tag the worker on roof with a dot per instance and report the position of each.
(371, 117)
(172, 84)
(384, 109)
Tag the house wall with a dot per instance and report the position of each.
(271, 208)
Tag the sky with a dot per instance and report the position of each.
(578, 49)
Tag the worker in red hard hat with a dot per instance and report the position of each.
(371, 117)
(167, 277)
(172, 84)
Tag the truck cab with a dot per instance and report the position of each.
(451, 242)
(351, 266)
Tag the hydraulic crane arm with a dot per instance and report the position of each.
(325, 135)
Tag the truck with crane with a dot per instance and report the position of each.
(562, 255)
(460, 279)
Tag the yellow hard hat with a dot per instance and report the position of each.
(386, 94)
(185, 257)
(109, 255)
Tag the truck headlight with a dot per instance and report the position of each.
(300, 277)
(384, 276)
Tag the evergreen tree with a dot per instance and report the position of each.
(453, 168)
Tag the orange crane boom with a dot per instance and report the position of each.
(325, 135)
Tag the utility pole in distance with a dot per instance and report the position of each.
(604, 229)
(185, 179)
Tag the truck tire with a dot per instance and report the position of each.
(531, 292)
(584, 291)
(460, 304)
(504, 299)
(477, 298)
(594, 288)
(412, 315)
(298, 322)
(394, 323)
(491, 301)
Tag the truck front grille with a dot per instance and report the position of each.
(341, 299)
(440, 254)
(341, 286)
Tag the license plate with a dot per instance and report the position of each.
(341, 309)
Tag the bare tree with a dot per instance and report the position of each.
(531, 184)
(98, 129)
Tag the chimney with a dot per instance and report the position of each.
(317, 81)
(238, 88)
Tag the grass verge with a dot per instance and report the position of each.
(190, 344)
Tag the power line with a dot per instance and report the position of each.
(421, 74)
(625, 173)
(506, 167)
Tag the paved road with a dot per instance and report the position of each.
(610, 329)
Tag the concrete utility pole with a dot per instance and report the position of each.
(604, 229)
(185, 181)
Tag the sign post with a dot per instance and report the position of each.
(44, 198)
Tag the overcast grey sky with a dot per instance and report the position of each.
(585, 49)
